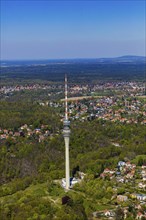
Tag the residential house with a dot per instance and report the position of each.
(109, 213)
(141, 197)
(122, 198)
(143, 166)
(17, 134)
(139, 215)
(142, 185)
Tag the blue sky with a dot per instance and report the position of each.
(72, 29)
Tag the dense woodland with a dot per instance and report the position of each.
(87, 72)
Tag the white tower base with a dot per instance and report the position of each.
(67, 169)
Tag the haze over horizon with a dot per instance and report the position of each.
(74, 58)
(72, 29)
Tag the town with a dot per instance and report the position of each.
(129, 186)
(129, 110)
(134, 88)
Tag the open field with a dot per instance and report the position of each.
(142, 96)
(90, 97)
(81, 97)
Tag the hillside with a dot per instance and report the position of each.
(29, 168)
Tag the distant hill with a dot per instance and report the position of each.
(123, 59)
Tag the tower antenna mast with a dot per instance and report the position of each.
(66, 101)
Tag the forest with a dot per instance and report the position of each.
(86, 71)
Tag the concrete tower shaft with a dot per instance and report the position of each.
(67, 167)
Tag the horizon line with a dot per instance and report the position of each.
(73, 58)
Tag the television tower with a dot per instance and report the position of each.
(66, 134)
